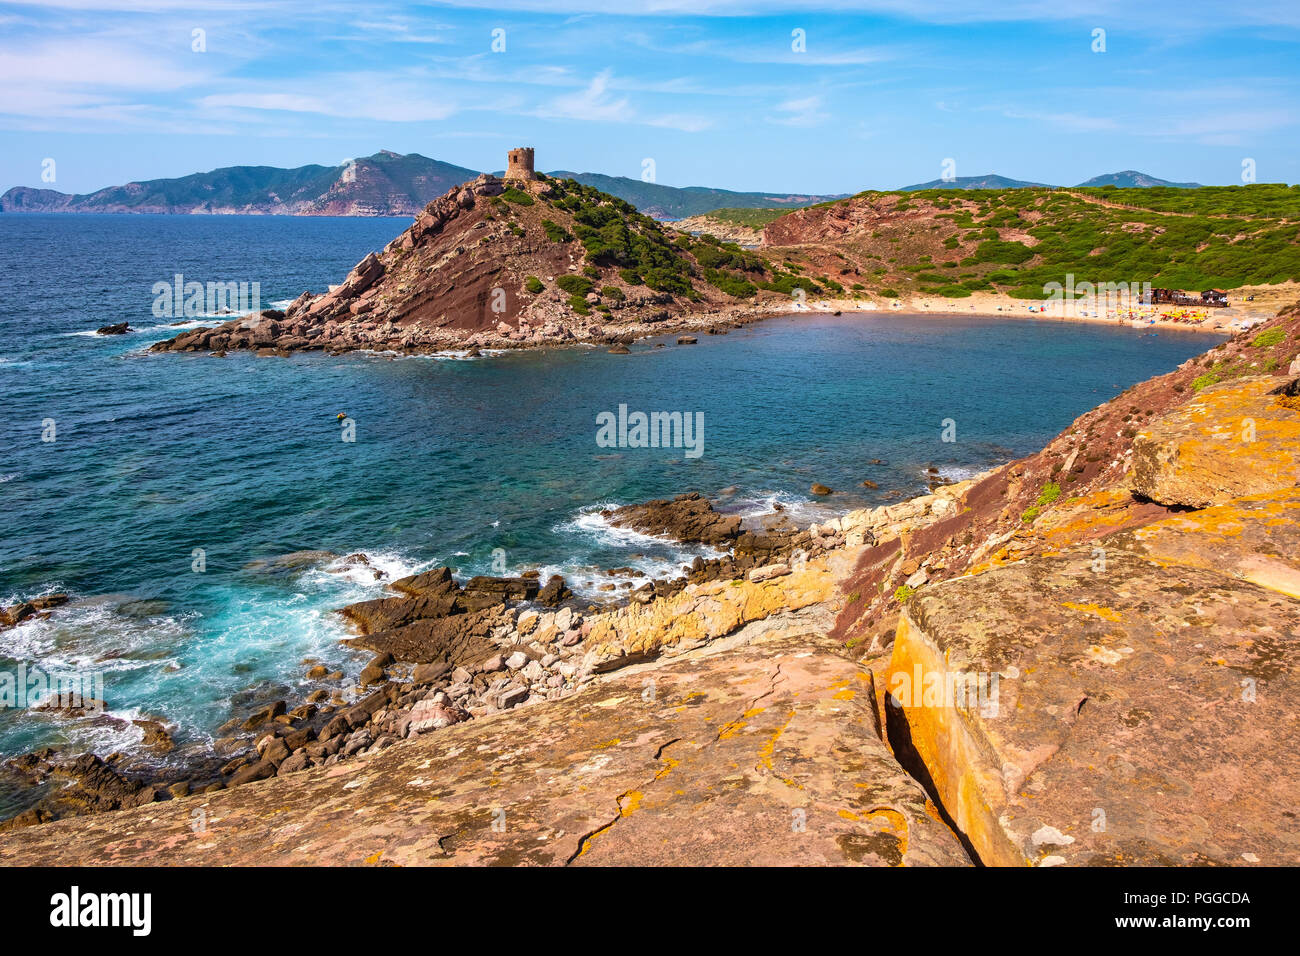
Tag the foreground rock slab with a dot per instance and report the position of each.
(761, 749)
(1238, 438)
(1146, 707)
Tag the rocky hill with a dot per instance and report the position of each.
(1132, 179)
(989, 181)
(1016, 241)
(1127, 179)
(512, 263)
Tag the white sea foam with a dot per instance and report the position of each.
(393, 564)
(199, 322)
(951, 474)
(110, 731)
(94, 636)
(652, 556)
(447, 355)
(801, 511)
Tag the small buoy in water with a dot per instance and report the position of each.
(341, 415)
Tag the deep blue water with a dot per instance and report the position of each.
(155, 456)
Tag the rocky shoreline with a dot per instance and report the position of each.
(444, 653)
(1127, 601)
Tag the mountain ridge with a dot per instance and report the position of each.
(1124, 179)
(394, 184)
(384, 184)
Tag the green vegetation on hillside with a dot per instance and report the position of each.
(517, 196)
(1017, 241)
(615, 234)
(620, 242)
(749, 218)
(672, 202)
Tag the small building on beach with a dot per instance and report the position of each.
(1214, 298)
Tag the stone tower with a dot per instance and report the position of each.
(520, 163)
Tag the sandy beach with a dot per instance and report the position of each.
(1238, 315)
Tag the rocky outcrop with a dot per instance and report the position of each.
(85, 785)
(1234, 439)
(445, 611)
(1131, 701)
(37, 607)
(762, 750)
(1141, 715)
(482, 267)
(689, 518)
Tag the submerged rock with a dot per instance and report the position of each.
(292, 563)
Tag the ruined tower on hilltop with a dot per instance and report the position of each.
(520, 163)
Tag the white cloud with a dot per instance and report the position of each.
(98, 65)
(371, 96)
(804, 112)
(592, 103)
(596, 102)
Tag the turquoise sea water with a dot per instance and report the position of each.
(454, 461)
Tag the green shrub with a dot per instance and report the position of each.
(613, 292)
(579, 305)
(889, 293)
(1204, 381)
(555, 232)
(730, 283)
(1268, 338)
(1051, 491)
(575, 285)
(533, 285)
(517, 196)
(995, 250)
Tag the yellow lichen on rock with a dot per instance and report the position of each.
(705, 612)
(1231, 440)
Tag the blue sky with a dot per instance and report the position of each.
(714, 91)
